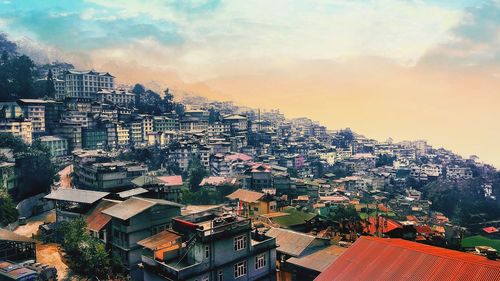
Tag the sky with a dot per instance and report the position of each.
(402, 69)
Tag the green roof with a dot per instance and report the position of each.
(296, 217)
(479, 240)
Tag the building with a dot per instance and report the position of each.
(301, 256)
(117, 97)
(71, 131)
(210, 245)
(15, 247)
(109, 176)
(251, 203)
(371, 258)
(94, 138)
(57, 146)
(136, 219)
(10, 110)
(164, 123)
(34, 110)
(73, 203)
(165, 187)
(8, 176)
(21, 128)
(85, 84)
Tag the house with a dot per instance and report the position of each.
(210, 245)
(15, 247)
(164, 187)
(73, 203)
(98, 223)
(371, 258)
(134, 220)
(253, 203)
(212, 183)
(107, 176)
(311, 263)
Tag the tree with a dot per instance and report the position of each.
(384, 160)
(87, 256)
(50, 90)
(8, 211)
(36, 169)
(196, 173)
(346, 217)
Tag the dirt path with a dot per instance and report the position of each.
(34, 222)
(49, 254)
(65, 179)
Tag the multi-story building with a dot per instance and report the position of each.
(211, 245)
(85, 84)
(136, 135)
(57, 145)
(78, 117)
(72, 131)
(17, 127)
(110, 176)
(34, 110)
(118, 97)
(123, 134)
(94, 138)
(147, 125)
(236, 122)
(164, 123)
(134, 220)
(183, 154)
(458, 173)
(10, 110)
(8, 176)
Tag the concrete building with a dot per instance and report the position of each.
(211, 245)
(164, 123)
(8, 177)
(110, 176)
(94, 138)
(71, 131)
(85, 84)
(136, 219)
(58, 146)
(21, 128)
(34, 110)
(117, 97)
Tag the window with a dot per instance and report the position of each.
(207, 252)
(260, 261)
(240, 269)
(221, 276)
(240, 242)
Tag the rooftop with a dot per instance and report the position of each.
(76, 195)
(290, 242)
(134, 206)
(318, 260)
(245, 195)
(11, 236)
(371, 258)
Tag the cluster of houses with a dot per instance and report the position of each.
(279, 182)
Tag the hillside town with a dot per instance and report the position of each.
(146, 186)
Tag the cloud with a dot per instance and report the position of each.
(473, 43)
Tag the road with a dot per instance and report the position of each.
(65, 176)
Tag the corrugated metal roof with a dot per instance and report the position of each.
(245, 195)
(158, 240)
(129, 208)
(11, 236)
(371, 258)
(132, 192)
(135, 205)
(290, 242)
(76, 195)
(96, 220)
(318, 260)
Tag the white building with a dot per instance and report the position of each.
(85, 84)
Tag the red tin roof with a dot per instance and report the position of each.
(371, 258)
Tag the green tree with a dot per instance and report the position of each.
(50, 90)
(87, 256)
(196, 173)
(8, 211)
